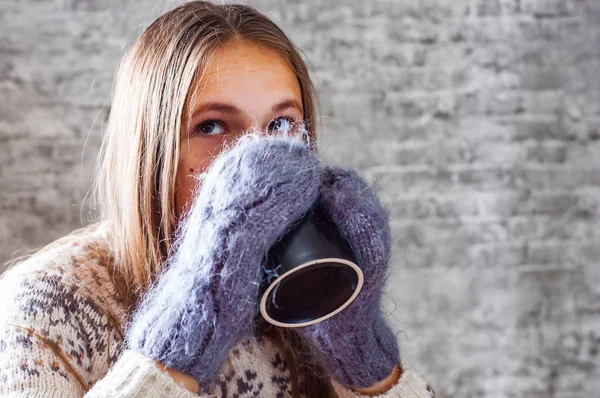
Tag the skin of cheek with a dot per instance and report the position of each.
(194, 161)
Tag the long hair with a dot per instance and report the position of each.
(134, 183)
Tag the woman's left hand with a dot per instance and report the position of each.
(356, 346)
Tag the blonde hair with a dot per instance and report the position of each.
(134, 185)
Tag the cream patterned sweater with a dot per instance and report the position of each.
(61, 335)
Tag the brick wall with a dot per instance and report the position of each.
(477, 121)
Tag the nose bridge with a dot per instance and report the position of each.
(252, 125)
(252, 129)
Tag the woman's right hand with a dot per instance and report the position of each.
(207, 298)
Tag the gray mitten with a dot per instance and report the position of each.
(356, 346)
(206, 300)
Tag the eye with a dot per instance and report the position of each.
(281, 124)
(210, 127)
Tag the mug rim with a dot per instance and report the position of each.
(263, 300)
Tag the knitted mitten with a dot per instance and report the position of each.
(356, 346)
(206, 300)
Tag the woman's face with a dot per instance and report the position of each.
(246, 87)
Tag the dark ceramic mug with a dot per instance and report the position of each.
(310, 274)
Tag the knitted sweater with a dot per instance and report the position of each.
(61, 335)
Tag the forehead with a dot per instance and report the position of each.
(246, 57)
(243, 69)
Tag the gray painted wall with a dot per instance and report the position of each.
(476, 119)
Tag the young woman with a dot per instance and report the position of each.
(209, 158)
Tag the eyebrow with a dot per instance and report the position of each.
(228, 108)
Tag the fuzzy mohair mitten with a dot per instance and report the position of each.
(357, 347)
(207, 298)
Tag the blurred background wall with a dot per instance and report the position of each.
(477, 121)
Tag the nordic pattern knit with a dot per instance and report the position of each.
(61, 335)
